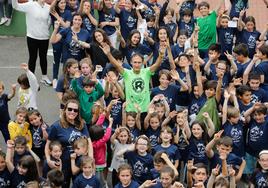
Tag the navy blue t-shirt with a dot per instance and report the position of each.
(82, 182)
(196, 103)
(172, 152)
(74, 50)
(133, 184)
(257, 137)
(134, 133)
(141, 165)
(104, 17)
(5, 179)
(116, 111)
(149, 11)
(226, 38)
(187, 5)
(243, 108)
(250, 39)
(128, 22)
(189, 27)
(88, 25)
(66, 16)
(259, 95)
(38, 141)
(153, 135)
(151, 33)
(170, 93)
(236, 132)
(176, 50)
(197, 151)
(237, 6)
(142, 49)
(260, 180)
(4, 114)
(232, 159)
(17, 180)
(172, 27)
(17, 157)
(241, 68)
(262, 69)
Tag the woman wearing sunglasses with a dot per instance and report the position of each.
(66, 131)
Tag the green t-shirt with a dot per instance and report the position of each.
(137, 89)
(207, 34)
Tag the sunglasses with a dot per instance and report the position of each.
(72, 109)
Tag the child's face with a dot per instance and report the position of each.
(213, 55)
(254, 84)
(131, 121)
(263, 161)
(86, 8)
(246, 97)
(250, 26)
(261, 55)
(72, 3)
(204, 10)
(259, 117)
(166, 180)
(135, 39)
(187, 18)
(99, 37)
(115, 93)
(160, 110)
(20, 149)
(224, 22)
(128, 5)
(80, 149)
(200, 175)
(197, 131)
(88, 89)
(142, 146)
(21, 170)
(180, 119)
(196, 91)
(162, 35)
(56, 152)
(166, 136)
(222, 149)
(35, 120)
(182, 39)
(150, 23)
(20, 118)
(183, 61)
(125, 177)
(154, 123)
(123, 137)
(169, 16)
(221, 68)
(2, 164)
(210, 92)
(62, 4)
(164, 82)
(87, 169)
(73, 69)
(158, 166)
(85, 69)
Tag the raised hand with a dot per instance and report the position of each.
(24, 66)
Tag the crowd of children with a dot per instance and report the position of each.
(150, 96)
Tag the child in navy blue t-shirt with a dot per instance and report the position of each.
(4, 173)
(125, 176)
(87, 177)
(152, 126)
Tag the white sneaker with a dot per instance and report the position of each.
(45, 80)
(54, 83)
(3, 20)
(8, 22)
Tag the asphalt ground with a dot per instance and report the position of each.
(13, 52)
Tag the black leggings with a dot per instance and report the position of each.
(35, 46)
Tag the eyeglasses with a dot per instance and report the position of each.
(72, 109)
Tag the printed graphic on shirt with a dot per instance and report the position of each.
(139, 169)
(4, 183)
(138, 85)
(255, 134)
(236, 135)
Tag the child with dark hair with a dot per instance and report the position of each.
(243, 93)
(186, 21)
(240, 53)
(100, 137)
(125, 175)
(55, 178)
(90, 93)
(247, 33)
(197, 174)
(224, 156)
(28, 88)
(25, 171)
